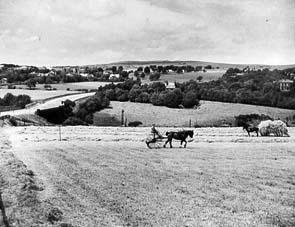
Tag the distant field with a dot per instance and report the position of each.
(207, 76)
(71, 86)
(209, 114)
(35, 94)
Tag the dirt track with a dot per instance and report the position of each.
(107, 177)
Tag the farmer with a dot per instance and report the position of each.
(155, 132)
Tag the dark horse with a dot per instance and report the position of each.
(250, 128)
(181, 135)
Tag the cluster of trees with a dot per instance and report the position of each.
(257, 87)
(155, 93)
(86, 109)
(170, 68)
(10, 100)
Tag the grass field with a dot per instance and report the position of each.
(209, 113)
(35, 94)
(108, 177)
(207, 76)
(71, 86)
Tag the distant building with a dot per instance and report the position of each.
(285, 84)
(3, 81)
(114, 75)
(87, 75)
(170, 86)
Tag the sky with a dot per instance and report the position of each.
(75, 32)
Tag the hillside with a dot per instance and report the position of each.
(128, 64)
(209, 113)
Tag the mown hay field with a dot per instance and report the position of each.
(208, 114)
(108, 177)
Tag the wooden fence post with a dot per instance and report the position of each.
(122, 118)
(59, 130)
(4, 217)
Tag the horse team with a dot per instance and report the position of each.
(180, 135)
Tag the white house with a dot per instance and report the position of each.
(170, 86)
(285, 84)
(114, 75)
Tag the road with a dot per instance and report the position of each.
(55, 102)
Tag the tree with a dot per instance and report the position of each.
(147, 70)
(31, 83)
(22, 100)
(120, 68)
(155, 76)
(173, 98)
(124, 74)
(157, 99)
(179, 70)
(9, 99)
(199, 78)
(110, 94)
(160, 68)
(114, 69)
(157, 87)
(198, 68)
(208, 67)
(190, 100)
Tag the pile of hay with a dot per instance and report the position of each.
(276, 127)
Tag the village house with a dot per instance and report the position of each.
(170, 86)
(285, 84)
(3, 80)
(114, 76)
(87, 75)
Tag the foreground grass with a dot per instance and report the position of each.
(107, 177)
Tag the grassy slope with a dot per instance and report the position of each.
(209, 114)
(71, 86)
(107, 177)
(35, 94)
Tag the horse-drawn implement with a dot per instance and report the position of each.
(161, 141)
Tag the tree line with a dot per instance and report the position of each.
(256, 87)
(30, 75)
(10, 100)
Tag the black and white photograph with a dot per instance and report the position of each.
(147, 113)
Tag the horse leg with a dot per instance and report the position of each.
(166, 143)
(185, 143)
(170, 142)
